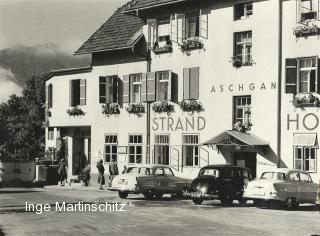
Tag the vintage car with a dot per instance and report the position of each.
(283, 187)
(127, 183)
(162, 181)
(223, 182)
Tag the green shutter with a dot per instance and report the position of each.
(291, 76)
(71, 102)
(144, 88)
(194, 83)
(151, 86)
(126, 88)
(186, 85)
(82, 92)
(115, 88)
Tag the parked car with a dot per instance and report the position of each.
(283, 187)
(223, 182)
(127, 183)
(161, 181)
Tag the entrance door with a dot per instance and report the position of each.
(246, 159)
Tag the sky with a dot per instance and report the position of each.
(67, 23)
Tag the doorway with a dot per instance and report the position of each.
(246, 159)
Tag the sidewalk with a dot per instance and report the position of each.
(75, 186)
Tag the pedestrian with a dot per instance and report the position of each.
(85, 175)
(113, 170)
(101, 179)
(61, 171)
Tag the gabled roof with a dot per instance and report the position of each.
(120, 31)
(145, 4)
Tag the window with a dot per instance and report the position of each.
(168, 172)
(163, 30)
(191, 83)
(136, 85)
(307, 75)
(50, 96)
(294, 177)
(242, 111)
(242, 11)
(108, 89)
(77, 92)
(305, 158)
(190, 149)
(307, 10)
(192, 25)
(163, 85)
(111, 148)
(135, 148)
(161, 149)
(50, 133)
(243, 47)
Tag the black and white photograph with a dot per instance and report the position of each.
(159, 117)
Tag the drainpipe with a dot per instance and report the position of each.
(148, 149)
(279, 127)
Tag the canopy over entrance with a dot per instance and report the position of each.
(236, 138)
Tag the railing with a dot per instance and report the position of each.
(204, 159)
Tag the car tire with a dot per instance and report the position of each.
(149, 195)
(158, 195)
(227, 200)
(197, 201)
(181, 194)
(291, 203)
(123, 195)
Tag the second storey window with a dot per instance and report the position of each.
(49, 94)
(242, 111)
(111, 148)
(163, 85)
(108, 89)
(77, 92)
(307, 10)
(243, 11)
(135, 88)
(243, 47)
(135, 148)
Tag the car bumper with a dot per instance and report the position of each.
(123, 189)
(260, 197)
(201, 195)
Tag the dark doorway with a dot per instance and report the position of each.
(246, 159)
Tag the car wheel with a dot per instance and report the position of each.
(242, 201)
(226, 199)
(158, 195)
(257, 203)
(123, 194)
(291, 203)
(181, 194)
(197, 201)
(149, 195)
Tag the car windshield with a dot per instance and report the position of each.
(209, 172)
(273, 176)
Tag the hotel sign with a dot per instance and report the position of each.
(167, 123)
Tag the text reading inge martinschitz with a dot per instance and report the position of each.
(76, 207)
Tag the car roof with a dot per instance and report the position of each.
(285, 170)
(223, 166)
(147, 165)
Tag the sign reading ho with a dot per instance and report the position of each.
(179, 124)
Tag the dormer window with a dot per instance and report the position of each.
(307, 10)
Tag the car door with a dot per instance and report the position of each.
(161, 182)
(308, 189)
(170, 181)
(293, 186)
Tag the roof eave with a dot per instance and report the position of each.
(153, 6)
(67, 72)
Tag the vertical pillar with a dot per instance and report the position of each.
(86, 150)
(70, 157)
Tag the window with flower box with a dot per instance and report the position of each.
(307, 10)
(108, 89)
(190, 149)
(242, 111)
(135, 148)
(111, 148)
(163, 85)
(135, 88)
(243, 11)
(243, 48)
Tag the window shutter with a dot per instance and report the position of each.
(169, 86)
(82, 92)
(291, 76)
(186, 85)
(115, 88)
(126, 89)
(152, 31)
(203, 25)
(47, 97)
(144, 88)
(180, 22)
(173, 28)
(109, 96)
(151, 86)
(50, 96)
(102, 89)
(71, 102)
(194, 83)
(318, 75)
(298, 10)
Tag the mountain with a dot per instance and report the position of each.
(20, 61)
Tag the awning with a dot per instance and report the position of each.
(305, 140)
(232, 137)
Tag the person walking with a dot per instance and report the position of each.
(61, 171)
(113, 170)
(101, 179)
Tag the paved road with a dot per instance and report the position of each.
(141, 217)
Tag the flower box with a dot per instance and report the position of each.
(306, 100)
(163, 106)
(75, 111)
(238, 126)
(191, 105)
(306, 30)
(163, 49)
(110, 109)
(237, 61)
(190, 44)
(136, 108)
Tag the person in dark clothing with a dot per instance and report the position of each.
(101, 179)
(113, 170)
(61, 171)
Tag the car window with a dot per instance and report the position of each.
(304, 177)
(209, 172)
(133, 170)
(295, 177)
(144, 170)
(159, 171)
(168, 171)
(273, 176)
